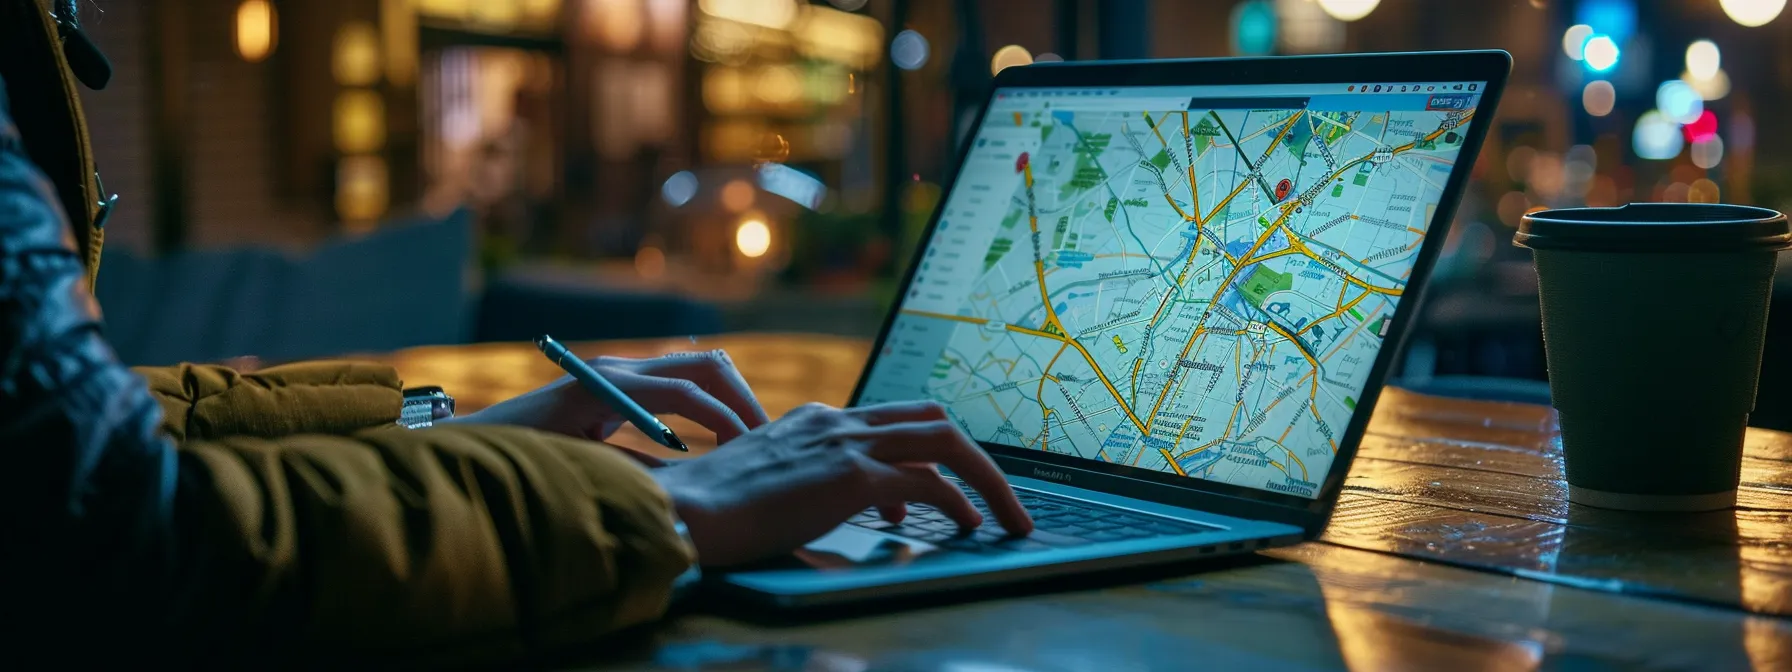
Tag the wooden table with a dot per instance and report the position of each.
(1452, 548)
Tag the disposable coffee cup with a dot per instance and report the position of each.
(1653, 320)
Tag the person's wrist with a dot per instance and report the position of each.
(687, 507)
(692, 575)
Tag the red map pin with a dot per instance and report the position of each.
(1020, 163)
(1282, 189)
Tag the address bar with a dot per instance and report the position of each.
(1079, 104)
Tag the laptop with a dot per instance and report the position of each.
(1164, 297)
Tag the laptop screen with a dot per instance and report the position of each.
(1190, 280)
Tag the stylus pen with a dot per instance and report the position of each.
(605, 391)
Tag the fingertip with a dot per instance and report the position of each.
(893, 515)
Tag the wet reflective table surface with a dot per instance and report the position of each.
(1452, 548)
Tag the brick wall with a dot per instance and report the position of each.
(232, 195)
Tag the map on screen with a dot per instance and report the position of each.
(1187, 281)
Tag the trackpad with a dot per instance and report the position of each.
(849, 546)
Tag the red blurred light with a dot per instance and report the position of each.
(1702, 128)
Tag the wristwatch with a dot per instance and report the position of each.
(425, 406)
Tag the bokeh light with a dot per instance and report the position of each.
(1702, 128)
(909, 50)
(1656, 137)
(1574, 40)
(650, 262)
(1678, 102)
(1702, 190)
(256, 30)
(778, 84)
(1009, 56)
(738, 195)
(1601, 53)
(1709, 88)
(1548, 175)
(1707, 153)
(1512, 206)
(753, 238)
(1048, 57)
(774, 14)
(355, 54)
(1348, 10)
(1703, 59)
(679, 189)
(1518, 163)
(1253, 28)
(1752, 13)
(1598, 97)
(1616, 18)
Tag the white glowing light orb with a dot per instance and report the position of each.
(1656, 137)
(1601, 53)
(1574, 40)
(1752, 13)
(1350, 10)
(1703, 59)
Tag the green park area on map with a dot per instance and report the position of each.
(1196, 292)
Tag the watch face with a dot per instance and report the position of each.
(423, 406)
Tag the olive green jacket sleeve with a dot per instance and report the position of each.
(461, 543)
(208, 402)
(326, 529)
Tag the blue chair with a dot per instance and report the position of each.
(519, 309)
(398, 287)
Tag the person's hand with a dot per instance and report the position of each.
(789, 482)
(701, 386)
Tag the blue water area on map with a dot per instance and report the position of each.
(1234, 299)
(1063, 116)
(1238, 248)
(1061, 307)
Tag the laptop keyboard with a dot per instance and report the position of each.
(1057, 522)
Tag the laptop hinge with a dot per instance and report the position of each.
(1170, 495)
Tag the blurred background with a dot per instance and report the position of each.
(319, 177)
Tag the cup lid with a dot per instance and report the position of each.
(1656, 227)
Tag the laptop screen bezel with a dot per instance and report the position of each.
(1490, 68)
